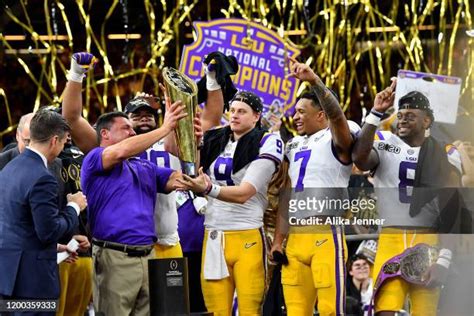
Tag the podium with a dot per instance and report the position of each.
(169, 291)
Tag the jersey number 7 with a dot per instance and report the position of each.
(304, 155)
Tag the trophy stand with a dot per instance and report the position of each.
(169, 289)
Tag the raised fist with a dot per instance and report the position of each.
(80, 64)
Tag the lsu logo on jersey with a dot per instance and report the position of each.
(388, 147)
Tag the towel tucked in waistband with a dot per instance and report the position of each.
(215, 267)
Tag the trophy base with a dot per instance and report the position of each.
(189, 168)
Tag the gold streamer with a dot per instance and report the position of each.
(108, 70)
(348, 34)
(66, 24)
(469, 78)
(453, 38)
(442, 28)
(7, 108)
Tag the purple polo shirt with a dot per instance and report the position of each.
(121, 201)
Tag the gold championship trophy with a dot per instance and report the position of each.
(168, 278)
(180, 87)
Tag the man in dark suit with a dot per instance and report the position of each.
(23, 140)
(30, 222)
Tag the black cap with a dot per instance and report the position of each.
(138, 103)
(251, 99)
(416, 100)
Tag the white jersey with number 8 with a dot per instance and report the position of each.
(394, 178)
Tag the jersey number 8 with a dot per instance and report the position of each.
(407, 180)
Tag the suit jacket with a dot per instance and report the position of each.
(7, 156)
(30, 226)
(9, 146)
(55, 168)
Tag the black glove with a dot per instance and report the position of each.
(280, 257)
(224, 66)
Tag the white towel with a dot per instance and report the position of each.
(200, 205)
(215, 267)
(168, 240)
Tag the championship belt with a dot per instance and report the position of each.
(411, 265)
(180, 87)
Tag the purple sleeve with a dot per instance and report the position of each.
(93, 161)
(162, 177)
(92, 164)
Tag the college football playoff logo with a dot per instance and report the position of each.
(173, 264)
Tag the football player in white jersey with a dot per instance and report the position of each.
(394, 160)
(239, 161)
(144, 119)
(319, 165)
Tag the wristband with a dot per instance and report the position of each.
(208, 189)
(377, 113)
(215, 190)
(445, 253)
(443, 262)
(74, 76)
(211, 82)
(372, 119)
(444, 257)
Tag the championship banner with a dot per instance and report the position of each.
(443, 92)
(261, 55)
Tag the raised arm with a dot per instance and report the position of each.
(212, 112)
(214, 107)
(134, 145)
(363, 154)
(82, 132)
(340, 131)
(216, 88)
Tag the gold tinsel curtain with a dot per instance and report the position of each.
(355, 46)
